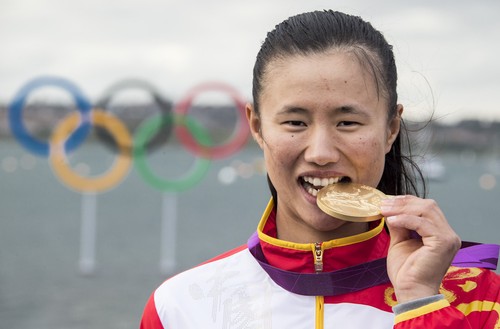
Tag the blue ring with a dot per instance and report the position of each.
(35, 145)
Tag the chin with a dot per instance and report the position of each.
(324, 223)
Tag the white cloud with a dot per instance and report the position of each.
(177, 44)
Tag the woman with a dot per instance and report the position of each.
(325, 111)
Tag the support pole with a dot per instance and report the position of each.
(87, 263)
(168, 242)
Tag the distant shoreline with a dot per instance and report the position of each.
(476, 135)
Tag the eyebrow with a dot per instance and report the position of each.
(350, 110)
(292, 110)
(346, 109)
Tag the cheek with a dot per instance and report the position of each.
(280, 149)
(368, 157)
(369, 149)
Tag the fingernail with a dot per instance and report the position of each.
(390, 218)
(385, 207)
(390, 200)
(386, 204)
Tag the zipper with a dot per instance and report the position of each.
(320, 310)
(318, 257)
(320, 300)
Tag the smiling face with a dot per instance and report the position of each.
(321, 121)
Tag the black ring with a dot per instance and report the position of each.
(165, 106)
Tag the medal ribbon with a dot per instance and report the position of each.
(361, 276)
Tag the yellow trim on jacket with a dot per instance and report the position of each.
(307, 246)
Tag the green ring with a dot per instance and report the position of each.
(148, 130)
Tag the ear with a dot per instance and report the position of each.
(394, 127)
(254, 123)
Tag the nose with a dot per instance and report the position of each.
(322, 148)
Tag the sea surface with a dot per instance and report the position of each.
(50, 280)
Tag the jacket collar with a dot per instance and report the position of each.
(336, 254)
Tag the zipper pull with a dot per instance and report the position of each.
(318, 257)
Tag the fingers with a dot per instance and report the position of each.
(412, 213)
(409, 213)
(416, 266)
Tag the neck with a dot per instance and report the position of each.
(302, 233)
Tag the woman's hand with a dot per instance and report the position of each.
(416, 266)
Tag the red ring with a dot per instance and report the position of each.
(239, 136)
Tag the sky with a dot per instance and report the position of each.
(447, 52)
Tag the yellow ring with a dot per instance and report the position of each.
(112, 176)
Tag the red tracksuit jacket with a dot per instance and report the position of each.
(233, 291)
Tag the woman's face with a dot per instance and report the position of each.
(321, 121)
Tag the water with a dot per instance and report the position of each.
(42, 287)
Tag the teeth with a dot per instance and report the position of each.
(319, 183)
(312, 191)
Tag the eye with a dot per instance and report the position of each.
(295, 123)
(348, 123)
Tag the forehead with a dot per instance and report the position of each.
(326, 76)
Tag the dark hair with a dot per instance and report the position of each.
(320, 31)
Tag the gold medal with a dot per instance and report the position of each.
(351, 202)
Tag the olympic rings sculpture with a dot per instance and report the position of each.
(72, 130)
(23, 136)
(163, 104)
